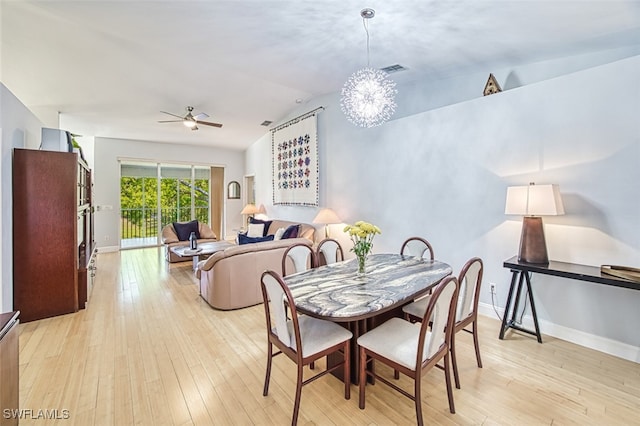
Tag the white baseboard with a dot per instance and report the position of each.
(591, 341)
(108, 249)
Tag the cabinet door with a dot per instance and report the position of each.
(45, 245)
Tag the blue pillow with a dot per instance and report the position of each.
(267, 224)
(243, 239)
(184, 229)
(291, 232)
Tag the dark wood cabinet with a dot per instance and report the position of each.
(9, 368)
(53, 245)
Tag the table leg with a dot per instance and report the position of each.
(533, 309)
(505, 321)
(511, 323)
(195, 259)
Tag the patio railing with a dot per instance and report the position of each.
(143, 222)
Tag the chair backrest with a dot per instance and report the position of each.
(301, 256)
(441, 309)
(416, 246)
(470, 280)
(330, 251)
(277, 299)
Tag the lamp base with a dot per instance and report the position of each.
(533, 247)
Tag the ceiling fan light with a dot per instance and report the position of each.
(189, 123)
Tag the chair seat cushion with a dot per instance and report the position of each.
(396, 340)
(417, 308)
(317, 335)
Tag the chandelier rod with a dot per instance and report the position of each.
(366, 29)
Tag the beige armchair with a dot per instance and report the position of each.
(170, 239)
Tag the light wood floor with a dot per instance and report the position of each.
(148, 350)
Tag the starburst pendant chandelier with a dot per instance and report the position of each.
(368, 95)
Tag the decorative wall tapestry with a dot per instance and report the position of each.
(294, 147)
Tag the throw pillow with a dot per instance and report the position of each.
(244, 239)
(184, 229)
(267, 224)
(255, 230)
(291, 232)
(278, 235)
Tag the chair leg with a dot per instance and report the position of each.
(312, 365)
(265, 391)
(296, 404)
(418, 397)
(447, 377)
(396, 374)
(454, 361)
(476, 343)
(362, 375)
(347, 369)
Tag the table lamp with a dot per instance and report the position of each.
(326, 217)
(250, 210)
(533, 201)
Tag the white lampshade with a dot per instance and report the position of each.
(326, 216)
(262, 209)
(534, 200)
(250, 209)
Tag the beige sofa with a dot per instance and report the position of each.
(170, 239)
(230, 279)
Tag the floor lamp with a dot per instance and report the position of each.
(533, 201)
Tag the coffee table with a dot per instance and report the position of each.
(203, 249)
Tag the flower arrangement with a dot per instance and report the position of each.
(362, 234)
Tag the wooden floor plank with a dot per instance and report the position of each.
(148, 350)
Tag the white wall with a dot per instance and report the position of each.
(443, 173)
(106, 153)
(19, 129)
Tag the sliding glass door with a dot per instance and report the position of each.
(153, 195)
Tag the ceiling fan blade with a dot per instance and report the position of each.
(165, 112)
(207, 123)
(201, 116)
(169, 121)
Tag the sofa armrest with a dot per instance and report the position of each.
(169, 235)
(206, 232)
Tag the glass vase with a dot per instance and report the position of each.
(361, 264)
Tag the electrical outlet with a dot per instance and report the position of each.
(493, 288)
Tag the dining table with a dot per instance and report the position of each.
(360, 302)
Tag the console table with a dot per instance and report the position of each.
(521, 272)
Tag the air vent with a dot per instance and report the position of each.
(393, 68)
(266, 123)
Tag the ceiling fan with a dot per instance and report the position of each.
(191, 121)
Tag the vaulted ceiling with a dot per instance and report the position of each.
(110, 67)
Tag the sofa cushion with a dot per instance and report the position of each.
(306, 230)
(255, 230)
(291, 232)
(184, 229)
(244, 239)
(278, 235)
(267, 223)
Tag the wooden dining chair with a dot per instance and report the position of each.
(413, 350)
(329, 251)
(297, 258)
(303, 339)
(470, 280)
(417, 246)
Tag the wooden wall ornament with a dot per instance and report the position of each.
(492, 86)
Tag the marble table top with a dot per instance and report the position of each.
(337, 293)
